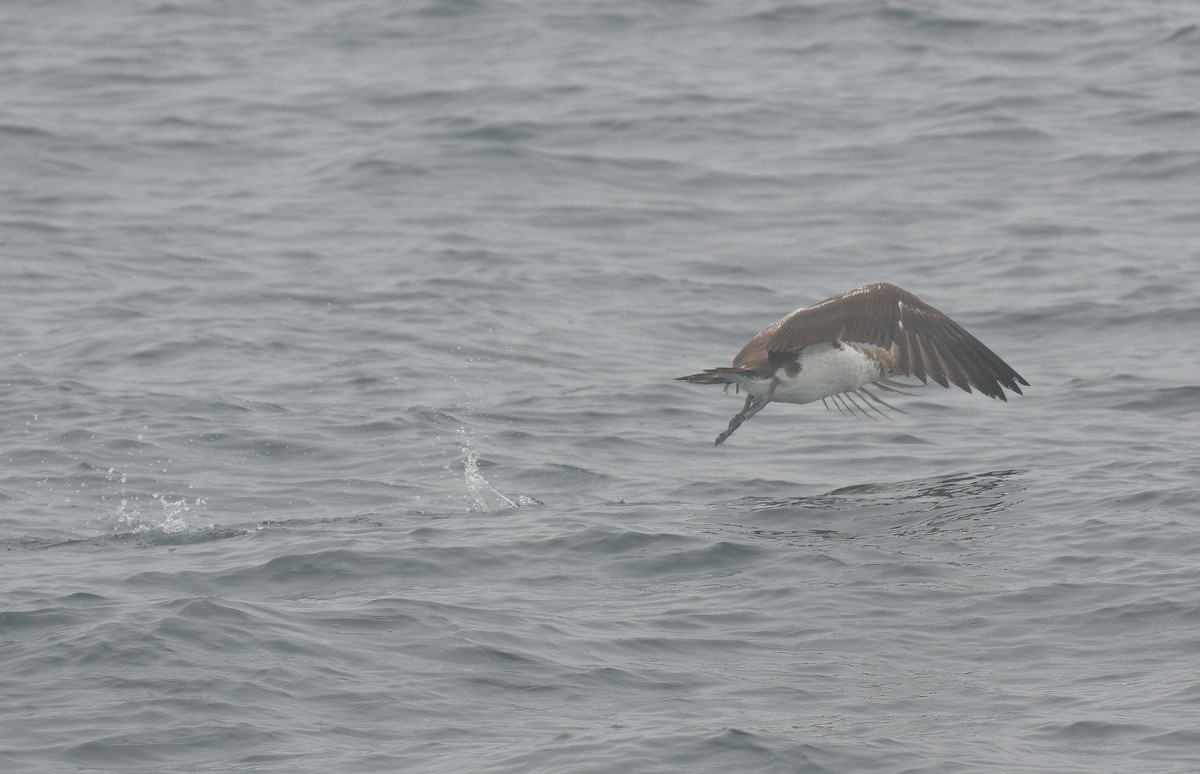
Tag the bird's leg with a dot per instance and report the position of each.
(737, 420)
(752, 407)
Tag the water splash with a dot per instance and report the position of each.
(481, 495)
(167, 515)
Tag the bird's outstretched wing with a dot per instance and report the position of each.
(923, 341)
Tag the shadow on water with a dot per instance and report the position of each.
(957, 502)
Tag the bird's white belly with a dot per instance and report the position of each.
(824, 370)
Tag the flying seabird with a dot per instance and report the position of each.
(865, 336)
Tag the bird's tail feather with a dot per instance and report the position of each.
(712, 376)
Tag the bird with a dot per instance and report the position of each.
(864, 337)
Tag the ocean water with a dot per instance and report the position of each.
(338, 423)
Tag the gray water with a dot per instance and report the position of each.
(338, 425)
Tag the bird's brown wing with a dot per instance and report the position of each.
(924, 342)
